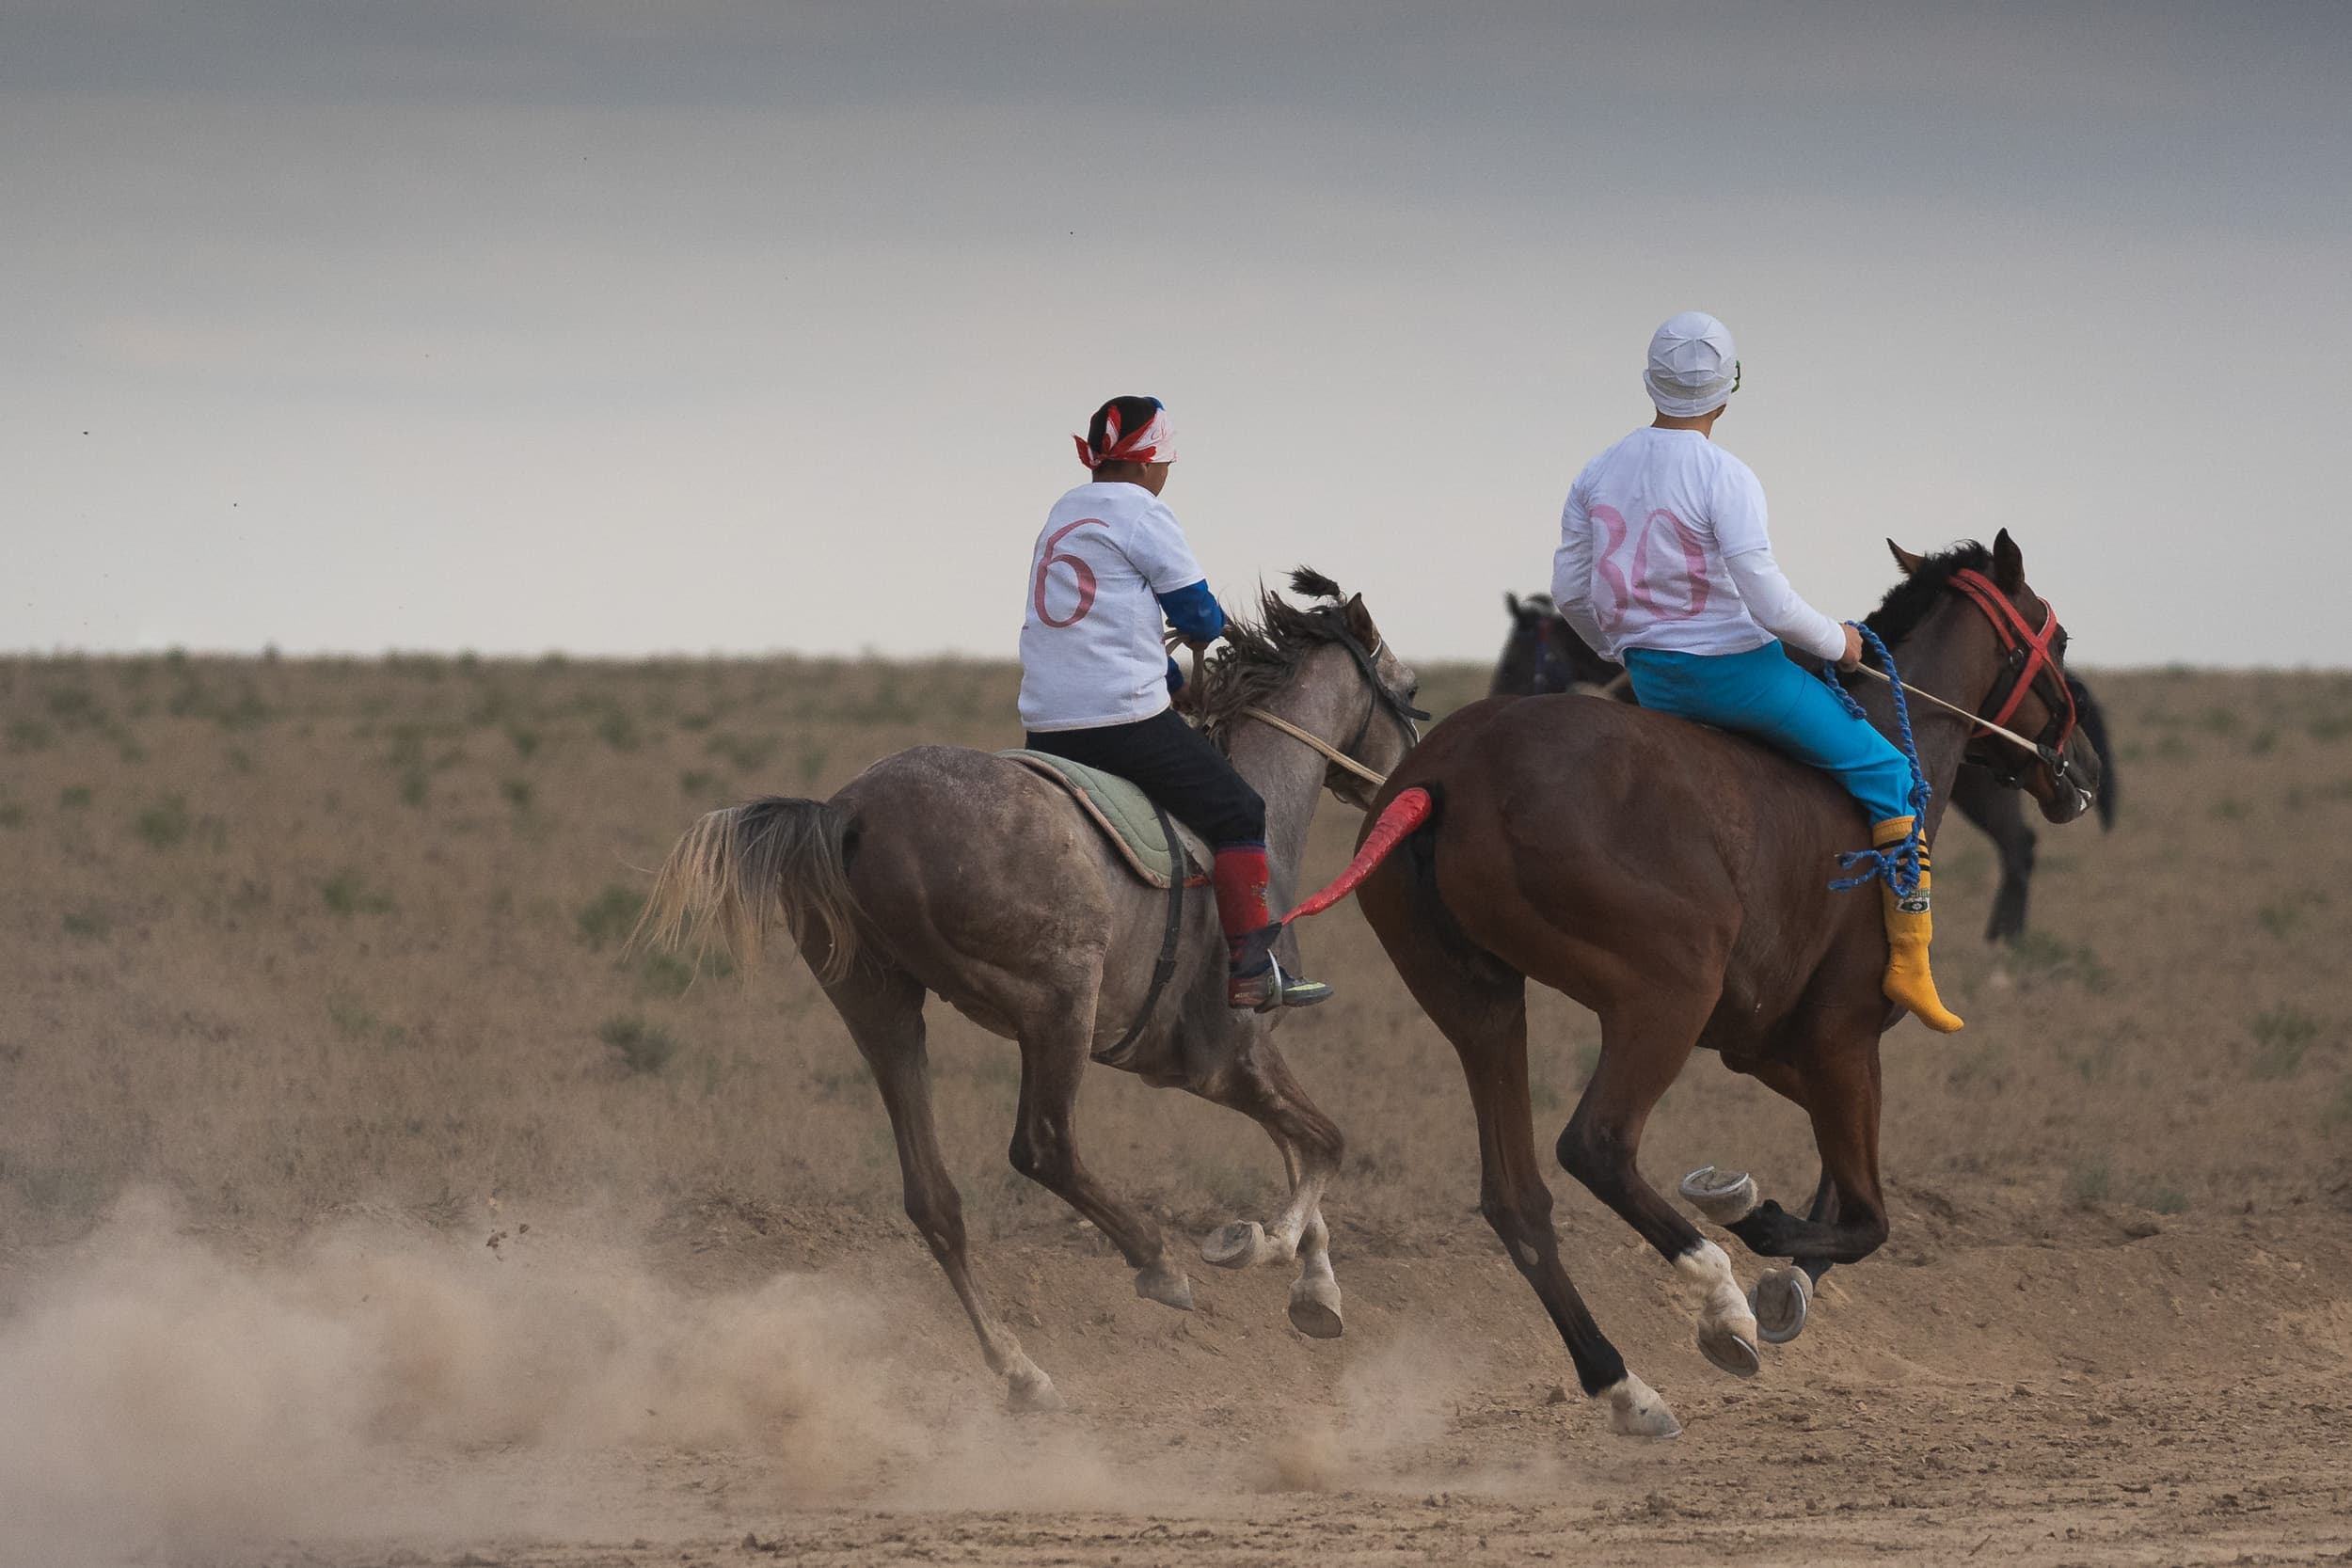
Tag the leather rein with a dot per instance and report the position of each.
(1384, 699)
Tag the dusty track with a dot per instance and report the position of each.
(324, 955)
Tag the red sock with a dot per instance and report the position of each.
(1240, 878)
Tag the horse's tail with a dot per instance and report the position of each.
(2094, 719)
(1398, 821)
(736, 869)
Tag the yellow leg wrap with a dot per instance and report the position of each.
(1909, 982)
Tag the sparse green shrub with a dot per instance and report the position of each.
(610, 915)
(518, 793)
(2338, 1112)
(618, 731)
(2281, 1035)
(347, 894)
(2166, 1198)
(2229, 809)
(165, 823)
(74, 798)
(812, 758)
(28, 735)
(238, 760)
(698, 783)
(2038, 957)
(524, 739)
(11, 814)
(90, 924)
(642, 1048)
(2088, 1183)
(415, 785)
(73, 706)
(742, 752)
(2329, 727)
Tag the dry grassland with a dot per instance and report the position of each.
(299, 945)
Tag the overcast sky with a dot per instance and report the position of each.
(621, 327)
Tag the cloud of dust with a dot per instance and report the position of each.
(157, 1396)
(1395, 1407)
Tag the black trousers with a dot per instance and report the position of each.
(1173, 764)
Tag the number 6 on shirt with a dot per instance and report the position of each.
(1083, 573)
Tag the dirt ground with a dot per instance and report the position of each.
(358, 1205)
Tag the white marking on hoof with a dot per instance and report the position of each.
(1029, 1391)
(1636, 1411)
(1725, 1196)
(1781, 1300)
(1726, 1324)
(1235, 1247)
(1314, 1309)
(1166, 1286)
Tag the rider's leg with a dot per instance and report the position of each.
(1178, 767)
(1763, 693)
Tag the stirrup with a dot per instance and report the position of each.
(1270, 988)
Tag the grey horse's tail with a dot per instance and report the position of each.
(736, 869)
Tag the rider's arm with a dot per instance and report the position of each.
(1193, 611)
(1778, 609)
(1572, 572)
(1739, 526)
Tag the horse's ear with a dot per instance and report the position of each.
(2009, 563)
(1357, 619)
(1904, 558)
(1511, 603)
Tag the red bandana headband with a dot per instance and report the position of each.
(1154, 443)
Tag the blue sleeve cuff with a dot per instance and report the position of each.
(1194, 610)
(1175, 676)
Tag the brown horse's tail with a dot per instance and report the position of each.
(1398, 821)
(736, 869)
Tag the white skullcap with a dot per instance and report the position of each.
(1692, 367)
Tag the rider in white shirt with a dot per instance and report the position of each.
(1664, 565)
(1110, 570)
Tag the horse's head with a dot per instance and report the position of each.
(1329, 668)
(1535, 656)
(2001, 645)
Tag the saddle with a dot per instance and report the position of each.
(1124, 815)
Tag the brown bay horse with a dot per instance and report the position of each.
(1543, 654)
(1674, 878)
(956, 873)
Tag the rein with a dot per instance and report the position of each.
(1382, 698)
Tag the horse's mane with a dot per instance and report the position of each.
(1909, 601)
(1260, 657)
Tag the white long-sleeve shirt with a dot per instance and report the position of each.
(1664, 544)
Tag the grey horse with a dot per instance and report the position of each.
(943, 870)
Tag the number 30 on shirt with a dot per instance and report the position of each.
(1628, 582)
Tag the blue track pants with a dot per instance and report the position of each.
(1762, 693)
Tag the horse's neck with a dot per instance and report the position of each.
(1942, 738)
(1324, 700)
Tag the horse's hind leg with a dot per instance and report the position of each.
(1642, 1051)
(1259, 1084)
(1054, 1055)
(884, 1009)
(1481, 1008)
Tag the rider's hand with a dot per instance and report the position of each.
(1852, 658)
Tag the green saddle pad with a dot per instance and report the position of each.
(1118, 807)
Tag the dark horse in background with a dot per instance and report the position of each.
(1686, 901)
(1544, 655)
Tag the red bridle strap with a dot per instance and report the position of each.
(2017, 637)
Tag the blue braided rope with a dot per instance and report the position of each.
(1897, 865)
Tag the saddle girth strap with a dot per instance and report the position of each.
(1163, 970)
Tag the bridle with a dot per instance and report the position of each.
(1384, 701)
(2029, 658)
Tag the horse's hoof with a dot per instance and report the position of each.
(1315, 1308)
(1032, 1393)
(1780, 1301)
(1235, 1246)
(1165, 1286)
(1724, 1196)
(1729, 1350)
(1636, 1411)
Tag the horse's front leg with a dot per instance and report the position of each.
(1257, 1083)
